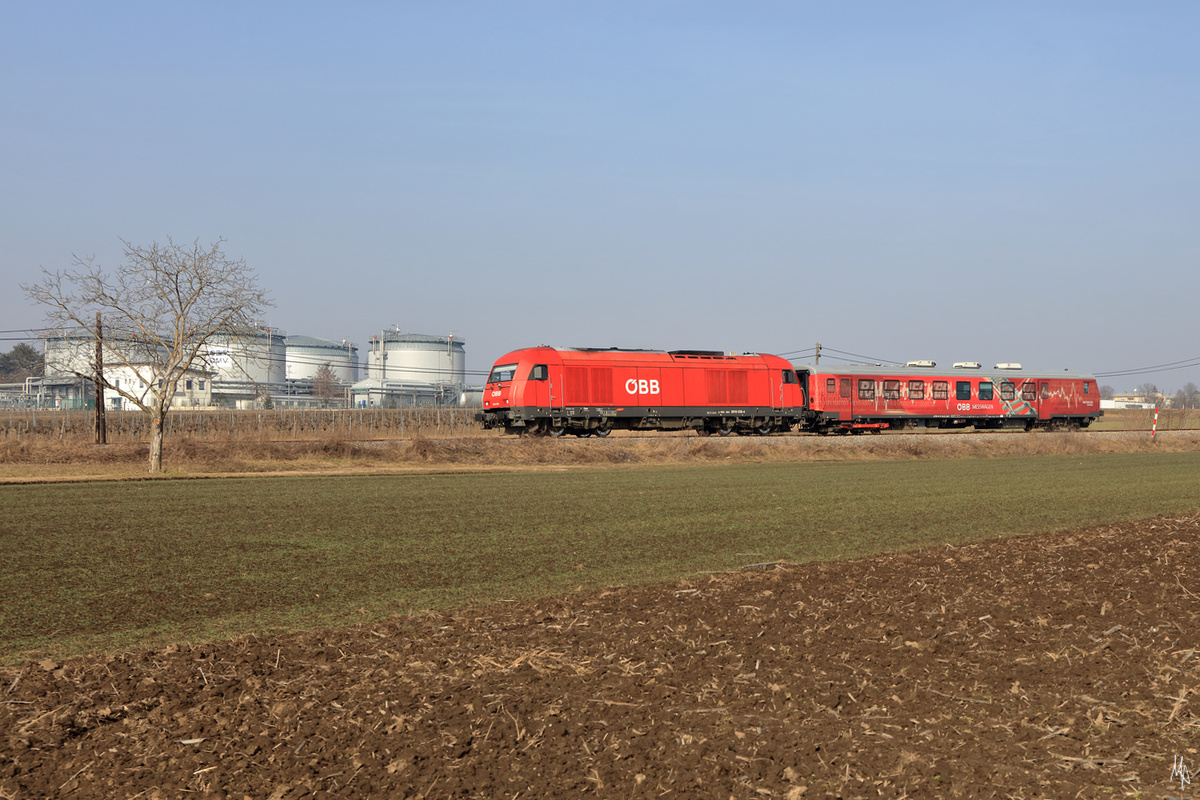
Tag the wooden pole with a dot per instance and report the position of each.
(101, 427)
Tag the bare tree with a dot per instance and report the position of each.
(1191, 394)
(1149, 393)
(1107, 392)
(160, 309)
(326, 386)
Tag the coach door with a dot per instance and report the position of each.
(1029, 394)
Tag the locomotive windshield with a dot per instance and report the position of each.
(502, 373)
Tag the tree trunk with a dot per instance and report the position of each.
(156, 444)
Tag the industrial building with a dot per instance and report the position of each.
(264, 366)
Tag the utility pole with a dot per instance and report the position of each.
(817, 358)
(101, 428)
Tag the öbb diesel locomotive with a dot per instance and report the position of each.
(591, 391)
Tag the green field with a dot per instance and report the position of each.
(119, 565)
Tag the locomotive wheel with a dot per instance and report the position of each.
(557, 432)
(763, 430)
(602, 432)
(583, 434)
(725, 431)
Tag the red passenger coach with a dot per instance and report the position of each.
(585, 391)
(857, 397)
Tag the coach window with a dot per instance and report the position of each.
(985, 390)
(866, 389)
(891, 390)
(1028, 391)
(540, 372)
(844, 389)
(831, 386)
(962, 390)
(1045, 391)
(916, 390)
(941, 390)
(1007, 391)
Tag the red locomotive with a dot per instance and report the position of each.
(588, 391)
(859, 397)
(591, 391)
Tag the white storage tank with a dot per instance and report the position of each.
(254, 355)
(70, 353)
(414, 358)
(306, 355)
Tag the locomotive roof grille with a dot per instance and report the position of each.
(615, 350)
(704, 353)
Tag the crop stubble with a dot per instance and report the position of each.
(1055, 665)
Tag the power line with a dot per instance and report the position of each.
(1168, 367)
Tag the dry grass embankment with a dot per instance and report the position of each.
(58, 445)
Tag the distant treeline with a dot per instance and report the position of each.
(20, 363)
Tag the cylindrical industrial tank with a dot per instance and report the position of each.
(416, 358)
(67, 354)
(306, 355)
(255, 355)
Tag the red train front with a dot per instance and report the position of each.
(592, 391)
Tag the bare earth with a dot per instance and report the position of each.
(1062, 665)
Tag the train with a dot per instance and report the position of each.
(590, 391)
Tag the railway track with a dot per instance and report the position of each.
(627, 436)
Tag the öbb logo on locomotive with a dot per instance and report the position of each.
(592, 391)
(641, 386)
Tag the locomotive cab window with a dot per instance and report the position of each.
(540, 372)
(916, 390)
(866, 389)
(891, 390)
(789, 376)
(941, 390)
(1007, 391)
(502, 373)
(1086, 387)
(985, 390)
(962, 390)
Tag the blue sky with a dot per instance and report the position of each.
(956, 181)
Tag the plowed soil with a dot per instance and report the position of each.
(1061, 665)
